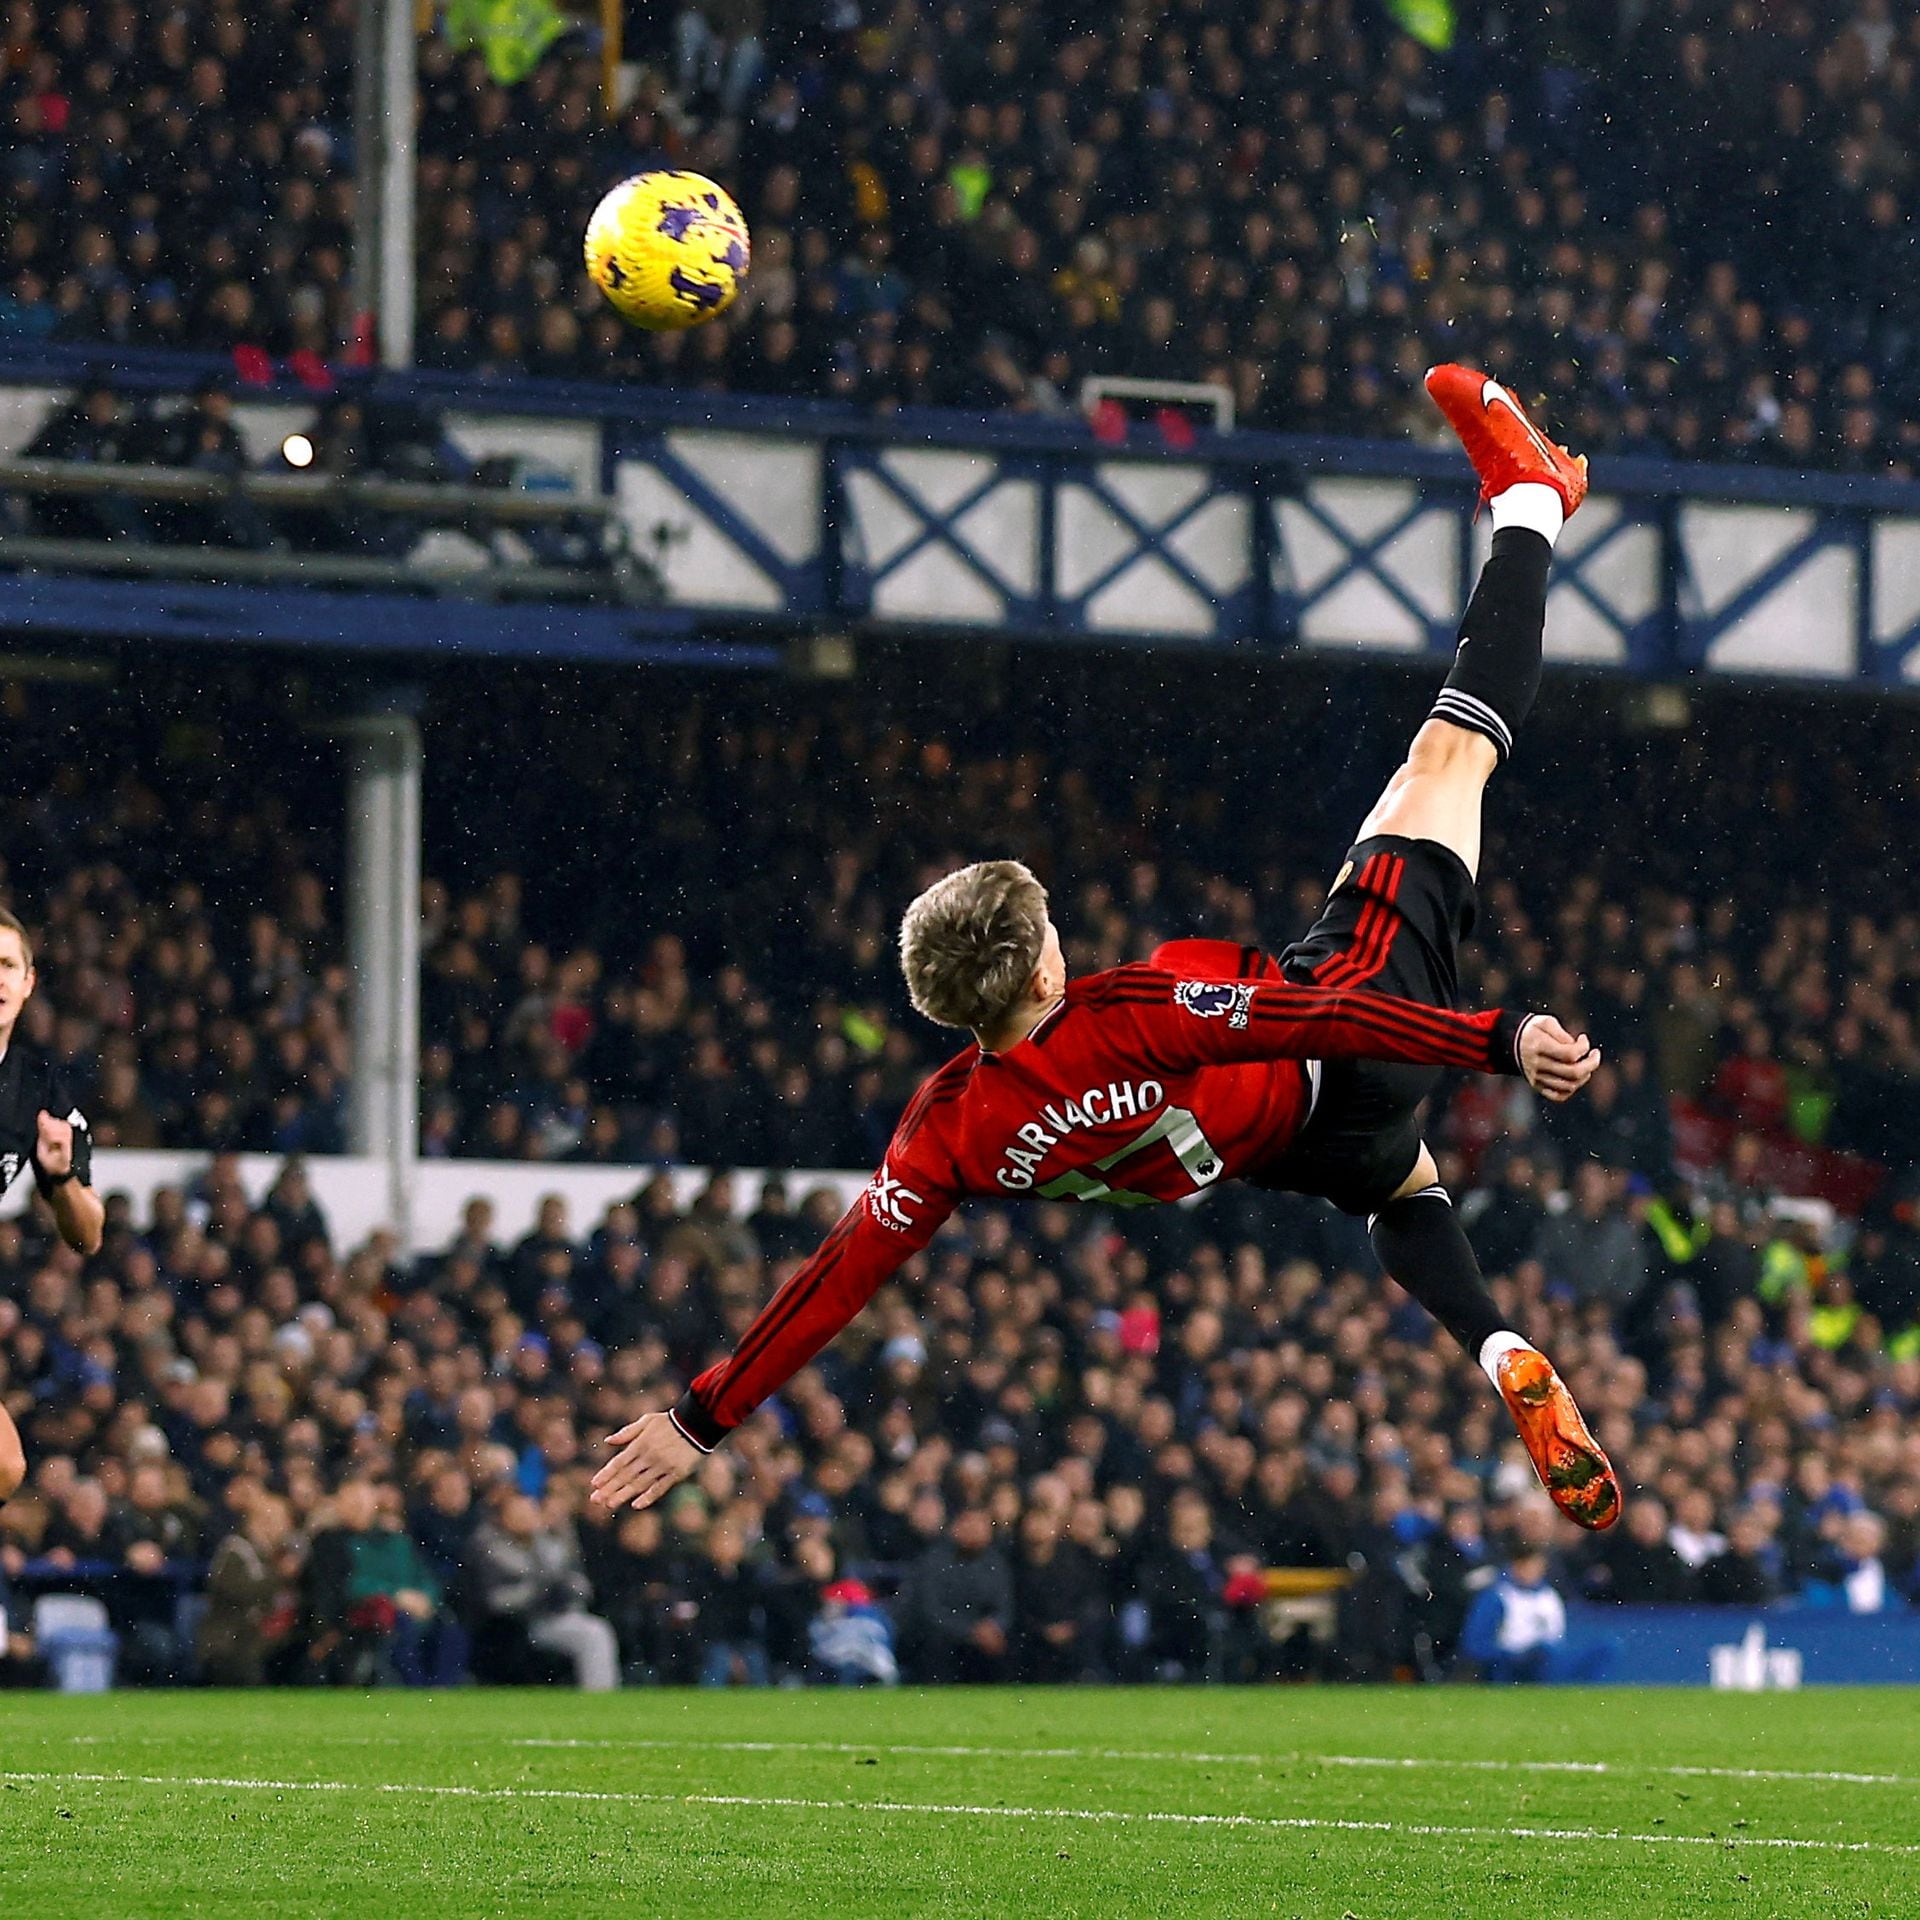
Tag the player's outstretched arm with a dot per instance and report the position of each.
(894, 1217)
(1183, 1024)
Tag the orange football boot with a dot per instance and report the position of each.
(1565, 1455)
(1503, 444)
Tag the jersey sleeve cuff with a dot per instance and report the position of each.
(1504, 1049)
(696, 1424)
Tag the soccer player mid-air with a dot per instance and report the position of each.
(1215, 1062)
(40, 1127)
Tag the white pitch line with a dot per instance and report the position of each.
(1623, 1767)
(1118, 1816)
(910, 1751)
(1154, 1756)
(1163, 1757)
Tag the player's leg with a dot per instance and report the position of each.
(1395, 921)
(13, 1458)
(1530, 486)
(1435, 792)
(1422, 1245)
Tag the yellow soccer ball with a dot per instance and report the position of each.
(668, 249)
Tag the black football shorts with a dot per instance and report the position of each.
(1393, 924)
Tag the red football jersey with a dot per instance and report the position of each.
(1142, 1085)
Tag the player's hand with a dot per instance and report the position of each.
(1557, 1063)
(654, 1457)
(53, 1149)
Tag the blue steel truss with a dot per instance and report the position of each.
(862, 575)
(1700, 631)
(1237, 613)
(1642, 640)
(1251, 592)
(803, 583)
(1361, 554)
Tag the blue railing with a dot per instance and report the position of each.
(766, 518)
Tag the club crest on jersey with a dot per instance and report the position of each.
(888, 1201)
(10, 1165)
(1215, 999)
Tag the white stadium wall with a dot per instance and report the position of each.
(351, 1191)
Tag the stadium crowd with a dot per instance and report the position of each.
(1065, 1442)
(722, 988)
(1057, 1447)
(186, 916)
(1690, 225)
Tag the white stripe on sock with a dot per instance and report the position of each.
(1472, 703)
(1464, 710)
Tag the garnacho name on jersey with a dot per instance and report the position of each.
(1097, 1107)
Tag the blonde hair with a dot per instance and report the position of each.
(969, 945)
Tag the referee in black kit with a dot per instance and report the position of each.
(41, 1126)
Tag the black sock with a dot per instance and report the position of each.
(1421, 1245)
(1496, 671)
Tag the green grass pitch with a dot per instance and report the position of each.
(1382, 1805)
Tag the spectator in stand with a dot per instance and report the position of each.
(527, 1574)
(719, 53)
(98, 428)
(1693, 1536)
(849, 1639)
(643, 1582)
(252, 1604)
(1183, 1583)
(154, 1533)
(81, 1533)
(442, 1524)
(1057, 1602)
(1455, 1565)
(19, 1664)
(1516, 1630)
(372, 1603)
(204, 438)
(1854, 1574)
(956, 1605)
(1505, 1220)
(1594, 1249)
(1637, 1564)
(732, 1602)
(1744, 1573)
